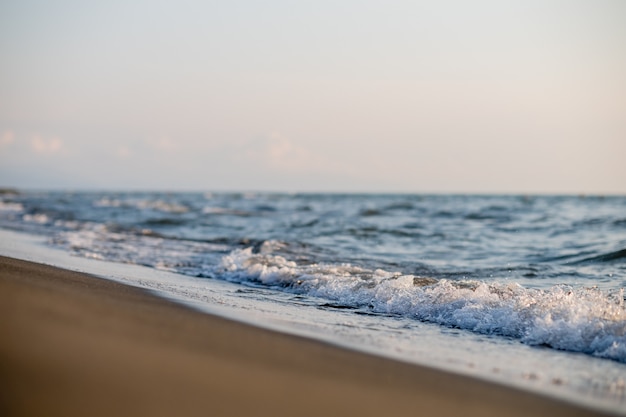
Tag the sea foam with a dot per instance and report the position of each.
(564, 317)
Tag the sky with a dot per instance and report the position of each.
(339, 96)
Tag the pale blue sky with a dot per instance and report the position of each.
(396, 96)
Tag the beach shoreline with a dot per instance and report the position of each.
(76, 344)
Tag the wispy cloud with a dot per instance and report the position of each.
(281, 153)
(164, 143)
(123, 152)
(7, 138)
(42, 145)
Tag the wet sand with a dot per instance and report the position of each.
(77, 345)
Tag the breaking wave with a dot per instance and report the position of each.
(564, 317)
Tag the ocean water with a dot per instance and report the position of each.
(521, 290)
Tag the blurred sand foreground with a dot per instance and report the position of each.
(76, 345)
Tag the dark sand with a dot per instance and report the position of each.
(77, 345)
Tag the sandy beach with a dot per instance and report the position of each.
(77, 345)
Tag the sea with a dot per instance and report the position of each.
(521, 290)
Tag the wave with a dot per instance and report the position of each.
(226, 211)
(9, 206)
(166, 221)
(563, 317)
(616, 256)
(142, 204)
(40, 218)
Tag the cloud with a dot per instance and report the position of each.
(282, 154)
(162, 144)
(7, 138)
(123, 152)
(278, 153)
(165, 144)
(43, 145)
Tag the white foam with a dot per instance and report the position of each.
(9, 206)
(223, 210)
(142, 204)
(563, 317)
(39, 218)
(161, 205)
(107, 202)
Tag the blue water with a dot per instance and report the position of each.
(545, 272)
